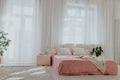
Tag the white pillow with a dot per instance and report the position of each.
(78, 51)
(64, 51)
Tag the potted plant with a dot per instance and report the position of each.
(97, 51)
(4, 43)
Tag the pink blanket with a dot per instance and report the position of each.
(70, 65)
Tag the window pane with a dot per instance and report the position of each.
(17, 9)
(80, 23)
(28, 24)
(28, 10)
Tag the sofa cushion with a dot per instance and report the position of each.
(64, 51)
(78, 51)
(51, 51)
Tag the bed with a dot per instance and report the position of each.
(71, 65)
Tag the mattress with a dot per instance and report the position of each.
(71, 65)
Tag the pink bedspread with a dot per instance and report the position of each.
(70, 65)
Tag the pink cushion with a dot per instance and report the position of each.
(51, 51)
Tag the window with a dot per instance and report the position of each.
(80, 23)
(18, 22)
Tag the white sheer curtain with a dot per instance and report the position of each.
(106, 26)
(51, 17)
(19, 22)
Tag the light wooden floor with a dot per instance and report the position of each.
(46, 73)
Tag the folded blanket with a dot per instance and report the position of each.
(100, 63)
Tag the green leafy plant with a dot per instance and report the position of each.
(97, 51)
(4, 42)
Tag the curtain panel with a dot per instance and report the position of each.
(51, 26)
(106, 26)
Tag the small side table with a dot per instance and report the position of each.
(43, 60)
